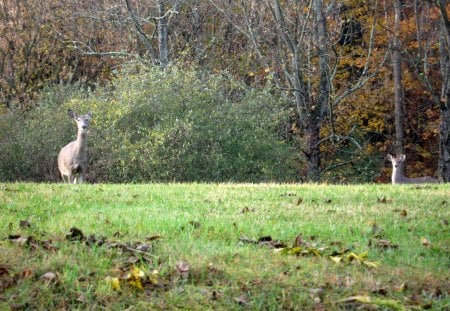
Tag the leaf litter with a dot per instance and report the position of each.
(133, 274)
(301, 247)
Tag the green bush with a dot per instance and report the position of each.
(30, 141)
(154, 125)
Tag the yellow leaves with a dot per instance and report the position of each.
(358, 298)
(298, 251)
(335, 259)
(154, 277)
(134, 278)
(361, 259)
(304, 248)
(114, 282)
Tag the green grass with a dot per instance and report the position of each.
(201, 224)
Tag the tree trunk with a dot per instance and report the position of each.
(311, 112)
(444, 141)
(312, 152)
(163, 34)
(317, 112)
(398, 85)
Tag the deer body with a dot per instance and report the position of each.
(72, 158)
(398, 164)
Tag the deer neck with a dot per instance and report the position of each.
(398, 174)
(80, 143)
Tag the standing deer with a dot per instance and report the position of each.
(72, 158)
(398, 177)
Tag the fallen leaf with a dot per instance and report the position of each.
(389, 304)
(195, 224)
(267, 238)
(385, 244)
(134, 277)
(316, 292)
(49, 277)
(117, 234)
(24, 224)
(19, 240)
(377, 231)
(242, 301)
(384, 200)
(114, 282)
(299, 242)
(81, 298)
(154, 277)
(335, 259)
(247, 210)
(182, 269)
(75, 234)
(401, 288)
(153, 238)
(359, 298)
(26, 273)
(6, 279)
(215, 295)
(144, 247)
(425, 241)
(318, 306)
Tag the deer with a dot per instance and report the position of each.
(398, 164)
(72, 160)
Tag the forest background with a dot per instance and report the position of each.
(207, 90)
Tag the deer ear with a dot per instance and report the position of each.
(403, 157)
(71, 114)
(389, 157)
(89, 115)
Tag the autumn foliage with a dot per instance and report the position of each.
(87, 43)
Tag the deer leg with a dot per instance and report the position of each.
(65, 178)
(70, 178)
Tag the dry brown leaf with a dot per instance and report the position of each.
(49, 277)
(425, 241)
(242, 301)
(386, 244)
(24, 224)
(152, 238)
(182, 269)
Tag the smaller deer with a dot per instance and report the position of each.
(398, 164)
(72, 158)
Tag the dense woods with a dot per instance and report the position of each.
(213, 90)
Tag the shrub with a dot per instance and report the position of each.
(154, 125)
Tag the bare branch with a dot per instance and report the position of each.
(145, 39)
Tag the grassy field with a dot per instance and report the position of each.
(224, 247)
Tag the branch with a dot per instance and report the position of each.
(87, 50)
(340, 138)
(335, 166)
(142, 34)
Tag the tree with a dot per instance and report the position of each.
(398, 84)
(444, 141)
(148, 22)
(305, 62)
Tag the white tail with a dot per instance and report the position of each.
(398, 164)
(72, 157)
